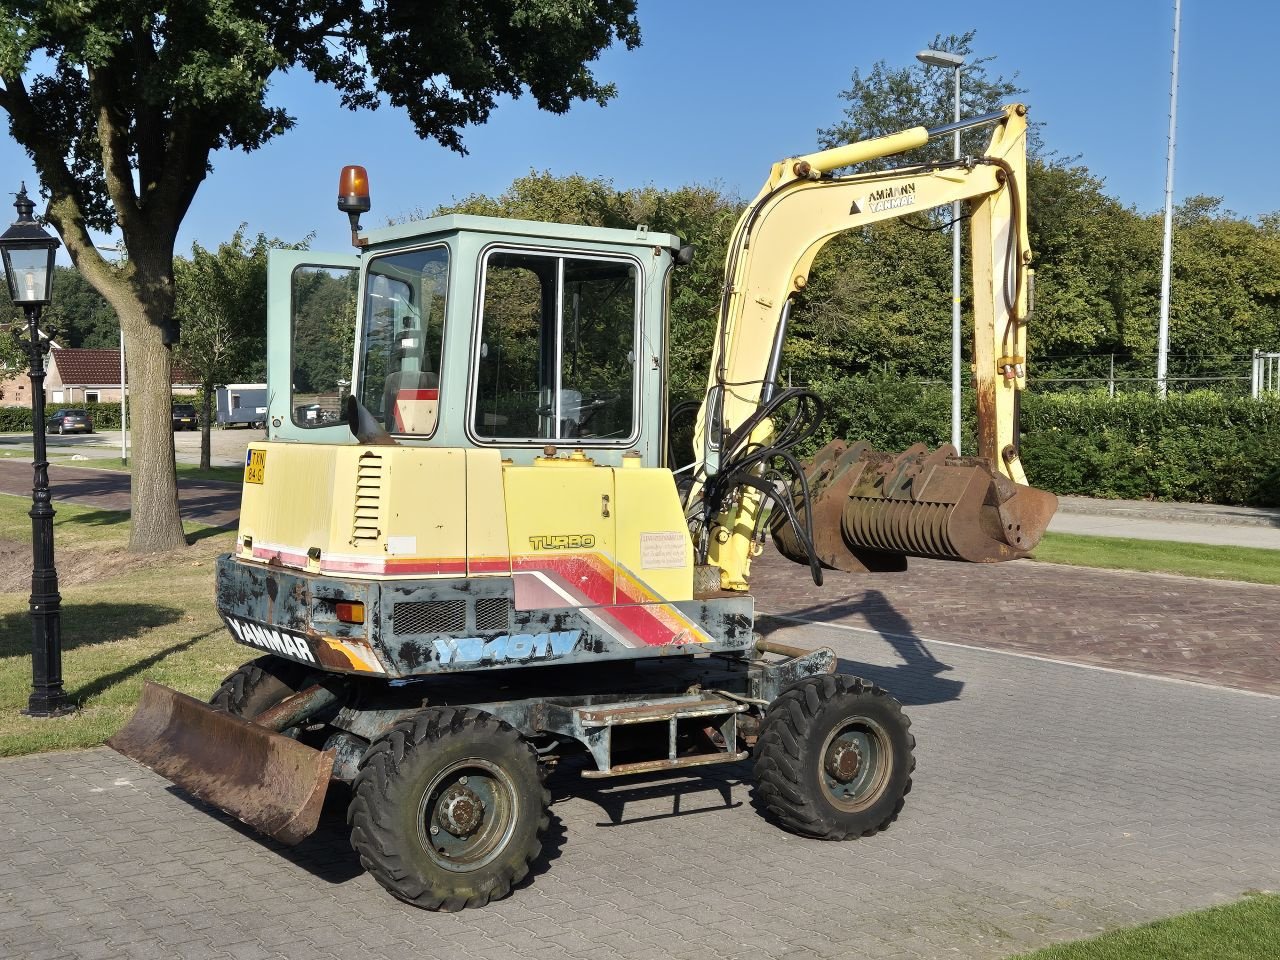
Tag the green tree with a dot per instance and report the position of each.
(221, 303)
(700, 214)
(79, 314)
(888, 99)
(879, 298)
(1097, 269)
(122, 105)
(1225, 291)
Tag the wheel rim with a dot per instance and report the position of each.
(467, 814)
(854, 764)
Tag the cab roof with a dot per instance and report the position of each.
(456, 222)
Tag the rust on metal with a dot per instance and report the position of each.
(703, 705)
(871, 510)
(274, 784)
(843, 761)
(293, 710)
(781, 649)
(657, 766)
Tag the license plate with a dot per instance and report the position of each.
(255, 466)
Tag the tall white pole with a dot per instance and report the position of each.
(955, 295)
(1166, 266)
(124, 407)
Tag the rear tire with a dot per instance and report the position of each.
(259, 685)
(448, 809)
(834, 759)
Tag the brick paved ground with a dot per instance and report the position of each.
(209, 503)
(1214, 631)
(1051, 801)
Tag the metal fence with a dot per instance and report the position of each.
(1236, 375)
(1266, 374)
(1229, 374)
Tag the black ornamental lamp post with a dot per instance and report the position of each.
(28, 267)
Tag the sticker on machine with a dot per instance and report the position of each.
(272, 639)
(666, 550)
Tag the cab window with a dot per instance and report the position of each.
(402, 339)
(322, 321)
(557, 351)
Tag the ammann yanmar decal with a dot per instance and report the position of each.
(273, 639)
(890, 198)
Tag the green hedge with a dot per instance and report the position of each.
(1193, 447)
(105, 416)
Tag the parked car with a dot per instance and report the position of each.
(184, 417)
(71, 421)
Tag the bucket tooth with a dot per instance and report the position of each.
(274, 784)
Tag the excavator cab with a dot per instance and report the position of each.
(477, 333)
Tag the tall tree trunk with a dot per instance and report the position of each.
(156, 524)
(206, 409)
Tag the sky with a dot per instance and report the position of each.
(719, 90)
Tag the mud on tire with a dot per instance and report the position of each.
(834, 759)
(258, 685)
(448, 809)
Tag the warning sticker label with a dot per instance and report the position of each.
(663, 551)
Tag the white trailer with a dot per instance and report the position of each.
(242, 403)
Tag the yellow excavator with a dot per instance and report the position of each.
(466, 553)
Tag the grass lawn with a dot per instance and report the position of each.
(124, 618)
(1247, 930)
(1251, 564)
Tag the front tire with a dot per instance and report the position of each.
(834, 759)
(448, 809)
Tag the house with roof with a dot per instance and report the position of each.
(77, 375)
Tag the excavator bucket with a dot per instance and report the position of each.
(871, 510)
(274, 784)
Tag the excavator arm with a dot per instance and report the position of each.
(801, 207)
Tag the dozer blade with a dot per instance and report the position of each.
(871, 510)
(274, 784)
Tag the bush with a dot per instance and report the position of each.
(105, 416)
(1194, 447)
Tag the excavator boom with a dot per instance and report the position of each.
(882, 508)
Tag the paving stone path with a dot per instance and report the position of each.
(1051, 801)
(1213, 631)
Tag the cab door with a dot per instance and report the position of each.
(311, 333)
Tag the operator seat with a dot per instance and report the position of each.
(410, 400)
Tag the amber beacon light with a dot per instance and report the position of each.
(353, 196)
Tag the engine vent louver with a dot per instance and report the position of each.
(429, 616)
(493, 613)
(367, 515)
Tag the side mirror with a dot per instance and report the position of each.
(712, 431)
